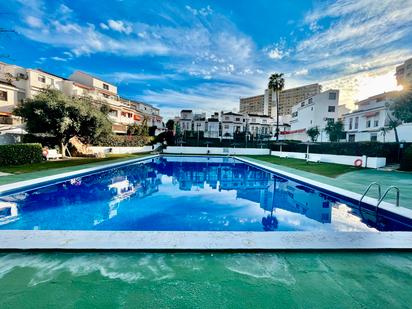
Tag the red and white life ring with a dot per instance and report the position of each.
(45, 153)
(358, 162)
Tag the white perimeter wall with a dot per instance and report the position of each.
(216, 150)
(121, 150)
(371, 162)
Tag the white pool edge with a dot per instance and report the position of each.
(243, 241)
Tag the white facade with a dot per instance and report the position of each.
(232, 123)
(18, 83)
(315, 111)
(369, 122)
(260, 125)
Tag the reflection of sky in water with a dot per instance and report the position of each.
(179, 194)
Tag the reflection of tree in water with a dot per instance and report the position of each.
(270, 222)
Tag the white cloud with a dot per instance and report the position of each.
(119, 26)
(202, 11)
(104, 26)
(301, 72)
(275, 53)
(56, 58)
(34, 22)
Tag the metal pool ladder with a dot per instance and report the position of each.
(367, 190)
(381, 197)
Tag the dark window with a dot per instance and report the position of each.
(356, 122)
(368, 124)
(374, 137)
(106, 95)
(350, 123)
(237, 119)
(351, 138)
(376, 123)
(332, 95)
(331, 109)
(41, 79)
(106, 86)
(3, 95)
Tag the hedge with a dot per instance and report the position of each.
(390, 151)
(406, 162)
(20, 154)
(124, 141)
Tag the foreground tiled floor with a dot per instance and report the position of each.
(218, 280)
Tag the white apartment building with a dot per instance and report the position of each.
(232, 123)
(18, 83)
(369, 122)
(404, 73)
(315, 111)
(260, 125)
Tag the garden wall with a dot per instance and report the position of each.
(371, 162)
(216, 150)
(123, 150)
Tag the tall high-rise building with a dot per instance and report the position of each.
(404, 73)
(290, 97)
(266, 104)
(253, 105)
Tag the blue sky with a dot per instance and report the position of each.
(204, 55)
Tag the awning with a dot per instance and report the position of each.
(293, 132)
(371, 114)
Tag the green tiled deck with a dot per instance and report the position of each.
(357, 181)
(219, 280)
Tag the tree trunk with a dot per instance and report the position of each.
(395, 130)
(277, 116)
(63, 148)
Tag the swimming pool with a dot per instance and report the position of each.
(189, 194)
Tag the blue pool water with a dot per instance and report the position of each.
(185, 194)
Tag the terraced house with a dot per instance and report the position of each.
(18, 83)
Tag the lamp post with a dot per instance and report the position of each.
(197, 127)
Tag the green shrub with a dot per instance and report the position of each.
(406, 162)
(20, 154)
(124, 141)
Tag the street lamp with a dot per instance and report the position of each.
(197, 127)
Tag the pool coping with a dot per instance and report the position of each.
(199, 240)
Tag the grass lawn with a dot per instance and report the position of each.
(47, 165)
(324, 169)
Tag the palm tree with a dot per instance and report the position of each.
(276, 84)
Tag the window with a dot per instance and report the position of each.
(376, 123)
(226, 118)
(105, 86)
(356, 122)
(331, 109)
(311, 108)
(295, 114)
(105, 95)
(302, 104)
(113, 113)
(351, 138)
(41, 79)
(237, 119)
(226, 127)
(310, 101)
(374, 137)
(3, 95)
(332, 95)
(368, 124)
(350, 123)
(329, 119)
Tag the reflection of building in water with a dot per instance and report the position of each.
(256, 185)
(8, 212)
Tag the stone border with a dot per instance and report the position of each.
(244, 241)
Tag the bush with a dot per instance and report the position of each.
(124, 141)
(20, 154)
(406, 162)
(371, 149)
